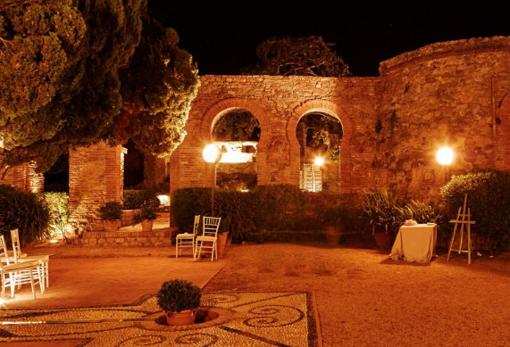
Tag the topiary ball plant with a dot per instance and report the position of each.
(178, 295)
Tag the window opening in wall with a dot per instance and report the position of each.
(319, 136)
(237, 134)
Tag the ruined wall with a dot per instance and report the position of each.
(278, 103)
(448, 93)
(95, 177)
(25, 178)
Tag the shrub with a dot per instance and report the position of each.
(111, 210)
(58, 207)
(178, 295)
(381, 209)
(489, 201)
(136, 198)
(25, 211)
(419, 211)
(147, 212)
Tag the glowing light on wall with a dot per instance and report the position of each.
(211, 153)
(445, 156)
(319, 161)
(164, 200)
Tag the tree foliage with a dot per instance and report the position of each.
(307, 56)
(320, 132)
(238, 125)
(63, 65)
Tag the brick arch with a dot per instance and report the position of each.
(222, 107)
(334, 110)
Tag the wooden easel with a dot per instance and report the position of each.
(464, 220)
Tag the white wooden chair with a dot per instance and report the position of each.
(20, 257)
(187, 240)
(208, 239)
(14, 275)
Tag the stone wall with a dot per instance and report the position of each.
(278, 103)
(453, 93)
(95, 177)
(25, 178)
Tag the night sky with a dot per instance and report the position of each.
(223, 38)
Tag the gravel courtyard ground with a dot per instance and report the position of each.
(364, 299)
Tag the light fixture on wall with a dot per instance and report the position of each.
(445, 157)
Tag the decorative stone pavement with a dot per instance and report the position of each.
(245, 319)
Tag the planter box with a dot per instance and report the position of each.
(128, 216)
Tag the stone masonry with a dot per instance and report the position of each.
(450, 93)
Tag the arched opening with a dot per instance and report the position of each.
(237, 133)
(319, 135)
(56, 179)
(133, 166)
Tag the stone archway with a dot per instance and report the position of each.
(320, 138)
(237, 133)
(332, 109)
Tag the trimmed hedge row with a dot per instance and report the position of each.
(251, 215)
(489, 201)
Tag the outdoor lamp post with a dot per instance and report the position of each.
(212, 155)
(444, 157)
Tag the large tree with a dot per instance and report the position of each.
(308, 56)
(64, 66)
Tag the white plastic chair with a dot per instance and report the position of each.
(20, 257)
(187, 240)
(208, 239)
(14, 275)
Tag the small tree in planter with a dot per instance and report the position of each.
(146, 217)
(381, 208)
(179, 299)
(111, 212)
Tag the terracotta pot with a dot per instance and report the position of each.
(382, 239)
(147, 224)
(111, 224)
(185, 317)
(222, 243)
(333, 235)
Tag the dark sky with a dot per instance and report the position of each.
(222, 38)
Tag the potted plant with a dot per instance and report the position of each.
(179, 299)
(383, 215)
(146, 217)
(111, 213)
(332, 219)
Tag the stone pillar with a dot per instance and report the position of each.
(95, 177)
(25, 178)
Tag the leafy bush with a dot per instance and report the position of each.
(381, 209)
(178, 295)
(419, 211)
(25, 211)
(136, 198)
(489, 201)
(147, 212)
(111, 210)
(58, 207)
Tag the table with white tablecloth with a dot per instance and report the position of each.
(415, 243)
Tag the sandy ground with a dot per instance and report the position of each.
(365, 299)
(83, 277)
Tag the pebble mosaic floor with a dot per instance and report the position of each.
(245, 319)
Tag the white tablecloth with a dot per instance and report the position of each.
(415, 243)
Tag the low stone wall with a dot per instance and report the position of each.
(154, 238)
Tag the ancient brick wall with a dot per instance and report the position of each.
(453, 93)
(278, 103)
(25, 178)
(95, 177)
(449, 93)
